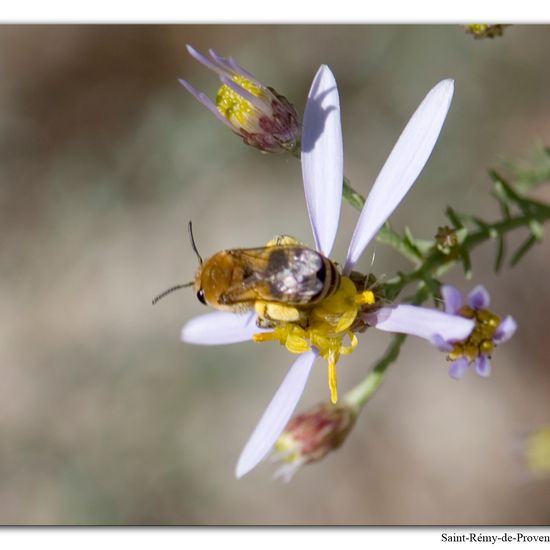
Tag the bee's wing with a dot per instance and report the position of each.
(253, 286)
(288, 274)
(294, 274)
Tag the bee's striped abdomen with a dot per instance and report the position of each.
(329, 276)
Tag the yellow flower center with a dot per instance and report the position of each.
(480, 340)
(326, 327)
(233, 106)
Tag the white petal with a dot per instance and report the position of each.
(323, 158)
(422, 322)
(220, 327)
(403, 166)
(277, 415)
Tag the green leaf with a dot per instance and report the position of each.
(461, 235)
(522, 250)
(533, 171)
(505, 210)
(453, 217)
(412, 243)
(466, 262)
(388, 236)
(537, 229)
(501, 252)
(424, 246)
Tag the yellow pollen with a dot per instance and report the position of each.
(325, 327)
(233, 106)
(365, 298)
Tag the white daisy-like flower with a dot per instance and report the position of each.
(322, 168)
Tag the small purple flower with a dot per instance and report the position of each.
(264, 119)
(489, 331)
(322, 169)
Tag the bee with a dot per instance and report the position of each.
(281, 280)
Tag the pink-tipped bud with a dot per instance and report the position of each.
(264, 119)
(310, 436)
(269, 122)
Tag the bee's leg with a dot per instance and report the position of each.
(273, 311)
(239, 293)
(262, 322)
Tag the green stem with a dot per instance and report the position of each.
(437, 263)
(358, 396)
(352, 196)
(385, 235)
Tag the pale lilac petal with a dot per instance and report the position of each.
(205, 100)
(483, 366)
(440, 343)
(323, 158)
(479, 298)
(220, 327)
(505, 330)
(231, 66)
(220, 70)
(221, 61)
(277, 415)
(422, 322)
(458, 368)
(403, 166)
(452, 298)
(241, 70)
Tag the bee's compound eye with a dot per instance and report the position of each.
(200, 296)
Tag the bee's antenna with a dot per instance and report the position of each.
(193, 245)
(166, 292)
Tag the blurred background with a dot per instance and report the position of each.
(106, 417)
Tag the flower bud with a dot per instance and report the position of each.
(310, 436)
(485, 31)
(446, 239)
(264, 119)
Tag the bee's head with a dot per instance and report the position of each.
(213, 278)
